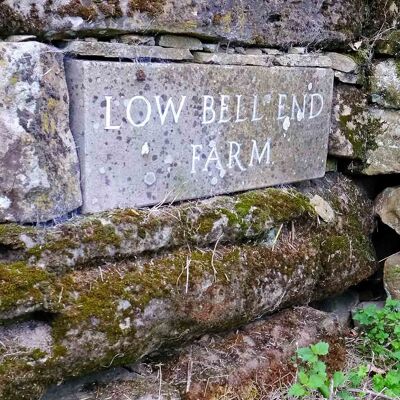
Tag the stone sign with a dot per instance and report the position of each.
(150, 133)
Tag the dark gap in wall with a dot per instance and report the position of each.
(386, 241)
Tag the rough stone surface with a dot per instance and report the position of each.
(137, 40)
(387, 206)
(385, 84)
(342, 62)
(159, 301)
(383, 157)
(246, 361)
(269, 23)
(143, 155)
(354, 130)
(180, 42)
(391, 276)
(284, 60)
(347, 78)
(39, 172)
(125, 51)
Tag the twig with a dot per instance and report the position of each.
(377, 395)
(189, 374)
(212, 258)
(160, 375)
(188, 260)
(276, 237)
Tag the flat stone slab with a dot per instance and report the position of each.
(149, 133)
(284, 60)
(123, 50)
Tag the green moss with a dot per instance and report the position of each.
(21, 284)
(362, 132)
(271, 205)
(10, 235)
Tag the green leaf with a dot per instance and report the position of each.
(297, 390)
(345, 395)
(338, 379)
(320, 349)
(303, 377)
(307, 355)
(315, 381)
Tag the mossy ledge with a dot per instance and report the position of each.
(117, 313)
(119, 234)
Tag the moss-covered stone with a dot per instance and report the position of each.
(355, 130)
(21, 289)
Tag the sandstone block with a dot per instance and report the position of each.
(387, 206)
(39, 171)
(391, 276)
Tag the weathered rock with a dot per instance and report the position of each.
(297, 50)
(116, 384)
(391, 276)
(342, 62)
(284, 60)
(253, 52)
(157, 301)
(39, 172)
(387, 206)
(270, 23)
(347, 78)
(128, 233)
(383, 154)
(253, 360)
(180, 42)
(122, 50)
(355, 131)
(249, 360)
(385, 84)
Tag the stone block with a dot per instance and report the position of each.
(180, 42)
(387, 206)
(385, 84)
(267, 23)
(39, 171)
(159, 132)
(342, 62)
(122, 50)
(391, 276)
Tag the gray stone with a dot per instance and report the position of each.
(352, 79)
(273, 52)
(387, 206)
(341, 305)
(342, 62)
(322, 208)
(39, 172)
(391, 276)
(210, 47)
(286, 60)
(240, 50)
(122, 50)
(156, 157)
(383, 156)
(385, 84)
(267, 23)
(349, 115)
(297, 50)
(253, 52)
(20, 38)
(138, 40)
(180, 42)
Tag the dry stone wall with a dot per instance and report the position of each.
(86, 284)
